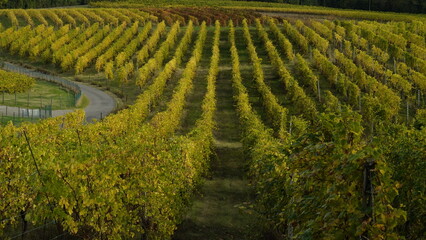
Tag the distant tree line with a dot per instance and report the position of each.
(412, 6)
(39, 3)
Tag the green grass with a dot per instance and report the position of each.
(193, 107)
(83, 102)
(216, 212)
(125, 95)
(41, 94)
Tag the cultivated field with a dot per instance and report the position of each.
(233, 124)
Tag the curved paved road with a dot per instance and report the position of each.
(100, 105)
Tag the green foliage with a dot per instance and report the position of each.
(104, 179)
(153, 64)
(421, 118)
(149, 46)
(126, 176)
(103, 43)
(314, 38)
(274, 110)
(380, 5)
(305, 74)
(284, 43)
(40, 3)
(296, 93)
(295, 36)
(14, 82)
(405, 154)
(329, 203)
(331, 102)
(131, 47)
(120, 43)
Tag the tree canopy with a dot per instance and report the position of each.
(39, 3)
(412, 6)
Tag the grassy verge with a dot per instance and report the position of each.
(124, 95)
(83, 102)
(41, 94)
